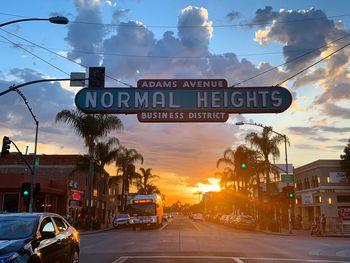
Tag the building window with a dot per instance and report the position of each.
(343, 198)
(318, 199)
(318, 180)
(328, 179)
(329, 200)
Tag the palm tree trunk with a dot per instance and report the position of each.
(90, 183)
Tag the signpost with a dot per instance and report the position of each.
(192, 100)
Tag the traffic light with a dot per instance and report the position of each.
(97, 77)
(5, 146)
(291, 196)
(25, 189)
(244, 165)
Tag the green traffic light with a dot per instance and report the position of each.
(26, 193)
(243, 165)
(291, 195)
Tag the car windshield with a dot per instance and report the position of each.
(16, 227)
(142, 209)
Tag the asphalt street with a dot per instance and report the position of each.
(182, 240)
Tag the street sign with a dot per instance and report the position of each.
(172, 116)
(287, 178)
(195, 100)
(76, 79)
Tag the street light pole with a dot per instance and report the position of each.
(55, 20)
(15, 88)
(286, 158)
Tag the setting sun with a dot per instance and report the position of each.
(213, 185)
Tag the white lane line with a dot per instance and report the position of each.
(120, 260)
(195, 226)
(343, 253)
(238, 260)
(315, 252)
(164, 226)
(296, 259)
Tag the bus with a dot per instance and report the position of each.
(146, 211)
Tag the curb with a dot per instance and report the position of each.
(82, 233)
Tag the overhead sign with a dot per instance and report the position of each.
(229, 100)
(185, 116)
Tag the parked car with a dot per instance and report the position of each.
(37, 237)
(244, 222)
(121, 220)
(198, 217)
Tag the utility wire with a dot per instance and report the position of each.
(257, 23)
(290, 61)
(34, 55)
(313, 64)
(48, 50)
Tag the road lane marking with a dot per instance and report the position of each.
(315, 252)
(164, 226)
(195, 226)
(343, 253)
(238, 260)
(120, 260)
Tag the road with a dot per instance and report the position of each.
(184, 241)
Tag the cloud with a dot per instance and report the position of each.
(85, 32)
(194, 29)
(336, 92)
(336, 111)
(232, 15)
(292, 29)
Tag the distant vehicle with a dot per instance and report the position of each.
(146, 211)
(244, 222)
(198, 217)
(121, 220)
(37, 237)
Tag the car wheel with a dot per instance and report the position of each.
(75, 256)
(115, 225)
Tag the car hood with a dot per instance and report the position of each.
(9, 246)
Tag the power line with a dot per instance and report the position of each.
(34, 55)
(64, 57)
(313, 64)
(290, 61)
(250, 24)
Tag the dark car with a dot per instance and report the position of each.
(121, 220)
(244, 222)
(37, 238)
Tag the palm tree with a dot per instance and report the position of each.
(144, 182)
(265, 145)
(89, 127)
(105, 153)
(226, 176)
(125, 161)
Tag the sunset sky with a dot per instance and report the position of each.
(148, 39)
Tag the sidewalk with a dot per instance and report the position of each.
(285, 232)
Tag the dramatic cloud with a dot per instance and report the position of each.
(86, 32)
(195, 30)
(336, 111)
(292, 29)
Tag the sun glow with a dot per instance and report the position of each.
(213, 185)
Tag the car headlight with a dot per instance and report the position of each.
(8, 257)
(153, 220)
(131, 221)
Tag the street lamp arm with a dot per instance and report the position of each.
(14, 87)
(56, 20)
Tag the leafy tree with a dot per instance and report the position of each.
(345, 160)
(90, 127)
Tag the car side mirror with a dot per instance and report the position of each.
(47, 235)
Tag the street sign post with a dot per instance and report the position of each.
(192, 100)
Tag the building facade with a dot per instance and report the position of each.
(62, 187)
(322, 188)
